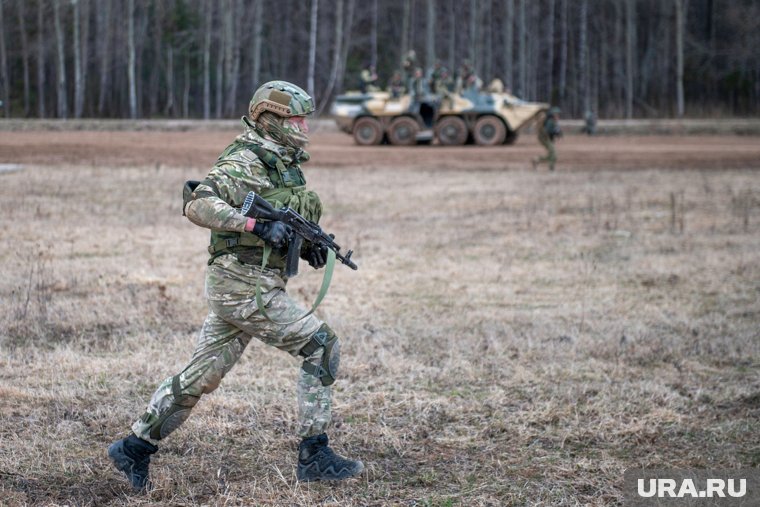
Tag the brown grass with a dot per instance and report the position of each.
(510, 337)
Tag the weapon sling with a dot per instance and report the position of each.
(326, 278)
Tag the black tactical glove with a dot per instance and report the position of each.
(315, 255)
(274, 233)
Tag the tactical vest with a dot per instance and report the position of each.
(289, 190)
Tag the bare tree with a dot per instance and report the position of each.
(63, 105)
(549, 69)
(104, 50)
(472, 44)
(78, 91)
(563, 51)
(312, 46)
(522, 37)
(24, 54)
(373, 35)
(4, 79)
(131, 64)
(583, 56)
(452, 34)
(40, 59)
(337, 41)
(630, 45)
(430, 39)
(257, 37)
(404, 25)
(681, 8)
(509, 23)
(206, 59)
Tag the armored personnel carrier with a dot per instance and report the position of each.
(483, 118)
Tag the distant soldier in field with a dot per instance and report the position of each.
(548, 130)
(266, 159)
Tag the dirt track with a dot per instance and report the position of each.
(329, 149)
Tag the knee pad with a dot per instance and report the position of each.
(327, 369)
(176, 414)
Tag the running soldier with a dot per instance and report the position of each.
(548, 130)
(266, 159)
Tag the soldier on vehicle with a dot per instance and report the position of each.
(434, 76)
(418, 86)
(266, 159)
(548, 130)
(408, 65)
(368, 80)
(396, 85)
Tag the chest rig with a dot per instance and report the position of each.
(288, 189)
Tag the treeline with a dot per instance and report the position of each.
(204, 58)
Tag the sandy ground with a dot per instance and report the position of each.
(199, 149)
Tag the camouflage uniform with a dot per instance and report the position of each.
(250, 163)
(548, 130)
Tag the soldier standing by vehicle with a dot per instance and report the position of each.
(266, 159)
(548, 130)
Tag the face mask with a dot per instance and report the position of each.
(286, 131)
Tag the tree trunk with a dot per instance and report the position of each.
(24, 54)
(509, 23)
(131, 63)
(313, 46)
(583, 56)
(681, 9)
(186, 90)
(373, 35)
(487, 50)
(563, 51)
(229, 50)
(4, 78)
(338, 38)
(549, 69)
(63, 105)
(404, 25)
(78, 92)
(41, 110)
(349, 23)
(220, 77)
(157, 59)
(104, 48)
(430, 39)
(452, 36)
(630, 45)
(257, 36)
(472, 43)
(170, 80)
(522, 37)
(85, 51)
(207, 59)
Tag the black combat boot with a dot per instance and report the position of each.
(317, 462)
(131, 455)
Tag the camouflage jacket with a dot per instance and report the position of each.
(250, 163)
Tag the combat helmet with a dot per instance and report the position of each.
(281, 98)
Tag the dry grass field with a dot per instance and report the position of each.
(511, 337)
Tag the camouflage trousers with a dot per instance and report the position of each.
(551, 154)
(232, 321)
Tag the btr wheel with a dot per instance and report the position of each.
(451, 131)
(368, 131)
(403, 131)
(489, 131)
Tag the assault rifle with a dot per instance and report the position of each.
(301, 229)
